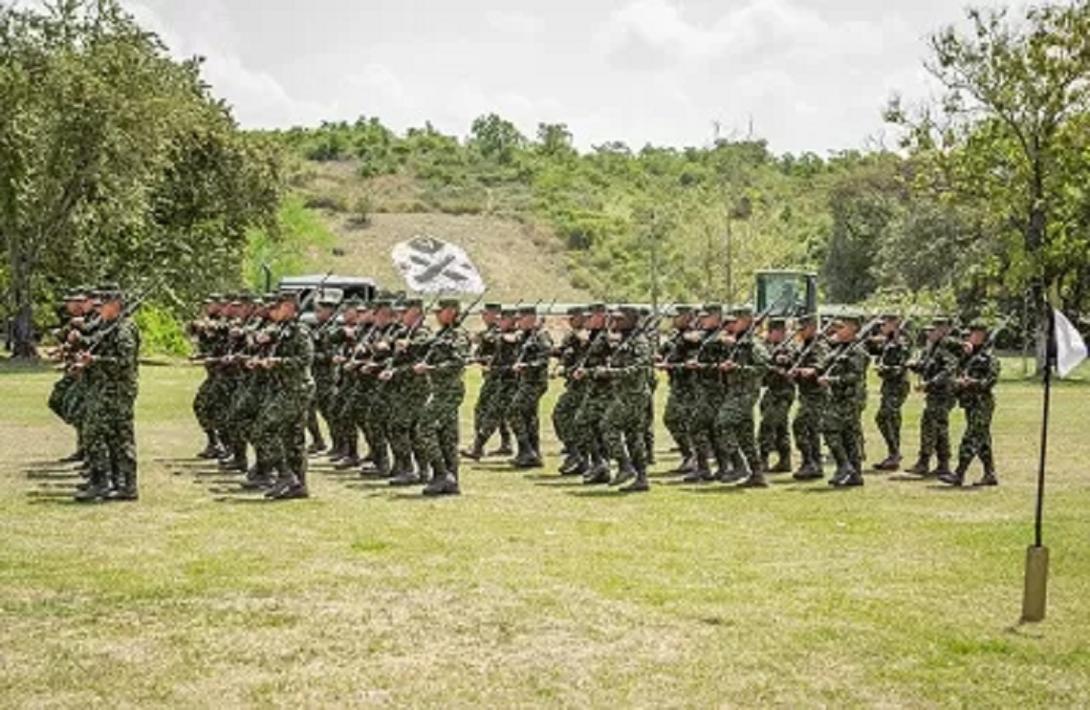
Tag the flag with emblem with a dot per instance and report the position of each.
(431, 265)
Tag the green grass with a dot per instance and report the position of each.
(531, 590)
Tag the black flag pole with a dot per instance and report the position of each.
(1036, 587)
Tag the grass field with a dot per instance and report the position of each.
(529, 589)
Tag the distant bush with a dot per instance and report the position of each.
(161, 333)
(362, 209)
(333, 203)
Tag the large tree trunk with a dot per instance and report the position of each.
(23, 341)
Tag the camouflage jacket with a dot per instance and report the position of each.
(627, 366)
(113, 373)
(978, 373)
(447, 353)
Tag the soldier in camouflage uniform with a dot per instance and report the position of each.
(67, 398)
(236, 426)
(646, 319)
(589, 420)
(978, 373)
(347, 418)
(624, 424)
(374, 396)
(109, 361)
(674, 352)
(443, 363)
(211, 342)
(282, 419)
(486, 342)
(841, 374)
(937, 367)
(499, 377)
(710, 352)
(407, 394)
(531, 367)
(774, 434)
(892, 352)
(569, 354)
(322, 371)
(743, 368)
(813, 399)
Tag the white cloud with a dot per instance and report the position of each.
(515, 23)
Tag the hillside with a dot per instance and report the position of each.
(518, 258)
(517, 261)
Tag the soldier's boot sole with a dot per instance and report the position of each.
(753, 480)
(951, 479)
(623, 476)
(446, 486)
(852, 481)
(986, 481)
(637, 486)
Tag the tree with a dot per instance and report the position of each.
(114, 160)
(997, 136)
(496, 138)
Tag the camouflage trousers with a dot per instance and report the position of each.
(109, 439)
(677, 416)
(734, 426)
(523, 415)
(590, 422)
(977, 439)
(774, 435)
(703, 430)
(624, 429)
(649, 421)
(404, 427)
(841, 428)
(324, 387)
(495, 404)
(209, 402)
(888, 419)
(439, 426)
(343, 413)
(807, 425)
(565, 411)
(367, 413)
(935, 426)
(489, 413)
(280, 431)
(240, 423)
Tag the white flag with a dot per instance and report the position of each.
(1070, 347)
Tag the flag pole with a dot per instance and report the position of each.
(1036, 583)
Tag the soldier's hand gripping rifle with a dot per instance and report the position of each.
(850, 350)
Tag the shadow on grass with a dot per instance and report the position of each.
(59, 475)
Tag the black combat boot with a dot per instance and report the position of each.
(625, 471)
(442, 483)
(943, 469)
(640, 484)
(599, 471)
(989, 478)
(477, 452)
(571, 462)
(889, 463)
(126, 489)
(97, 489)
(212, 448)
(922, 467)
(956, 478)
(754, 478)
(505, 444)
(849, 479)
(259, 478)
(582, 466)
(688, 463)
(405, 476)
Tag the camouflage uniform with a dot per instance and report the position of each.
(570, 352)
(590, 419)
(345, 415)
(447, 354)
(979, 373)
(493, 383)
(502, 383)
(813, 400)
(211, 338)
(674, 353)
(325, 382)
(844, 368)
(937, 369)
(734, 420)
(282, 418)
(406, 395)
(625, 421)
(523, 414)
(711, 392)
(775, 434)
(112, 379)
(892, 359)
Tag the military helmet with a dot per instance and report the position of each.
(445, 303)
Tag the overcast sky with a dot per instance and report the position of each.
(809, 74)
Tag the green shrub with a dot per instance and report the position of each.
(362, 209)
(325, 201)
(161, 333)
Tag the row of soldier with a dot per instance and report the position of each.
(379, 372)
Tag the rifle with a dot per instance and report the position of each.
(130, 309)
(314, 292)
(852, 347)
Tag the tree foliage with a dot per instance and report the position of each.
(116, 162)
